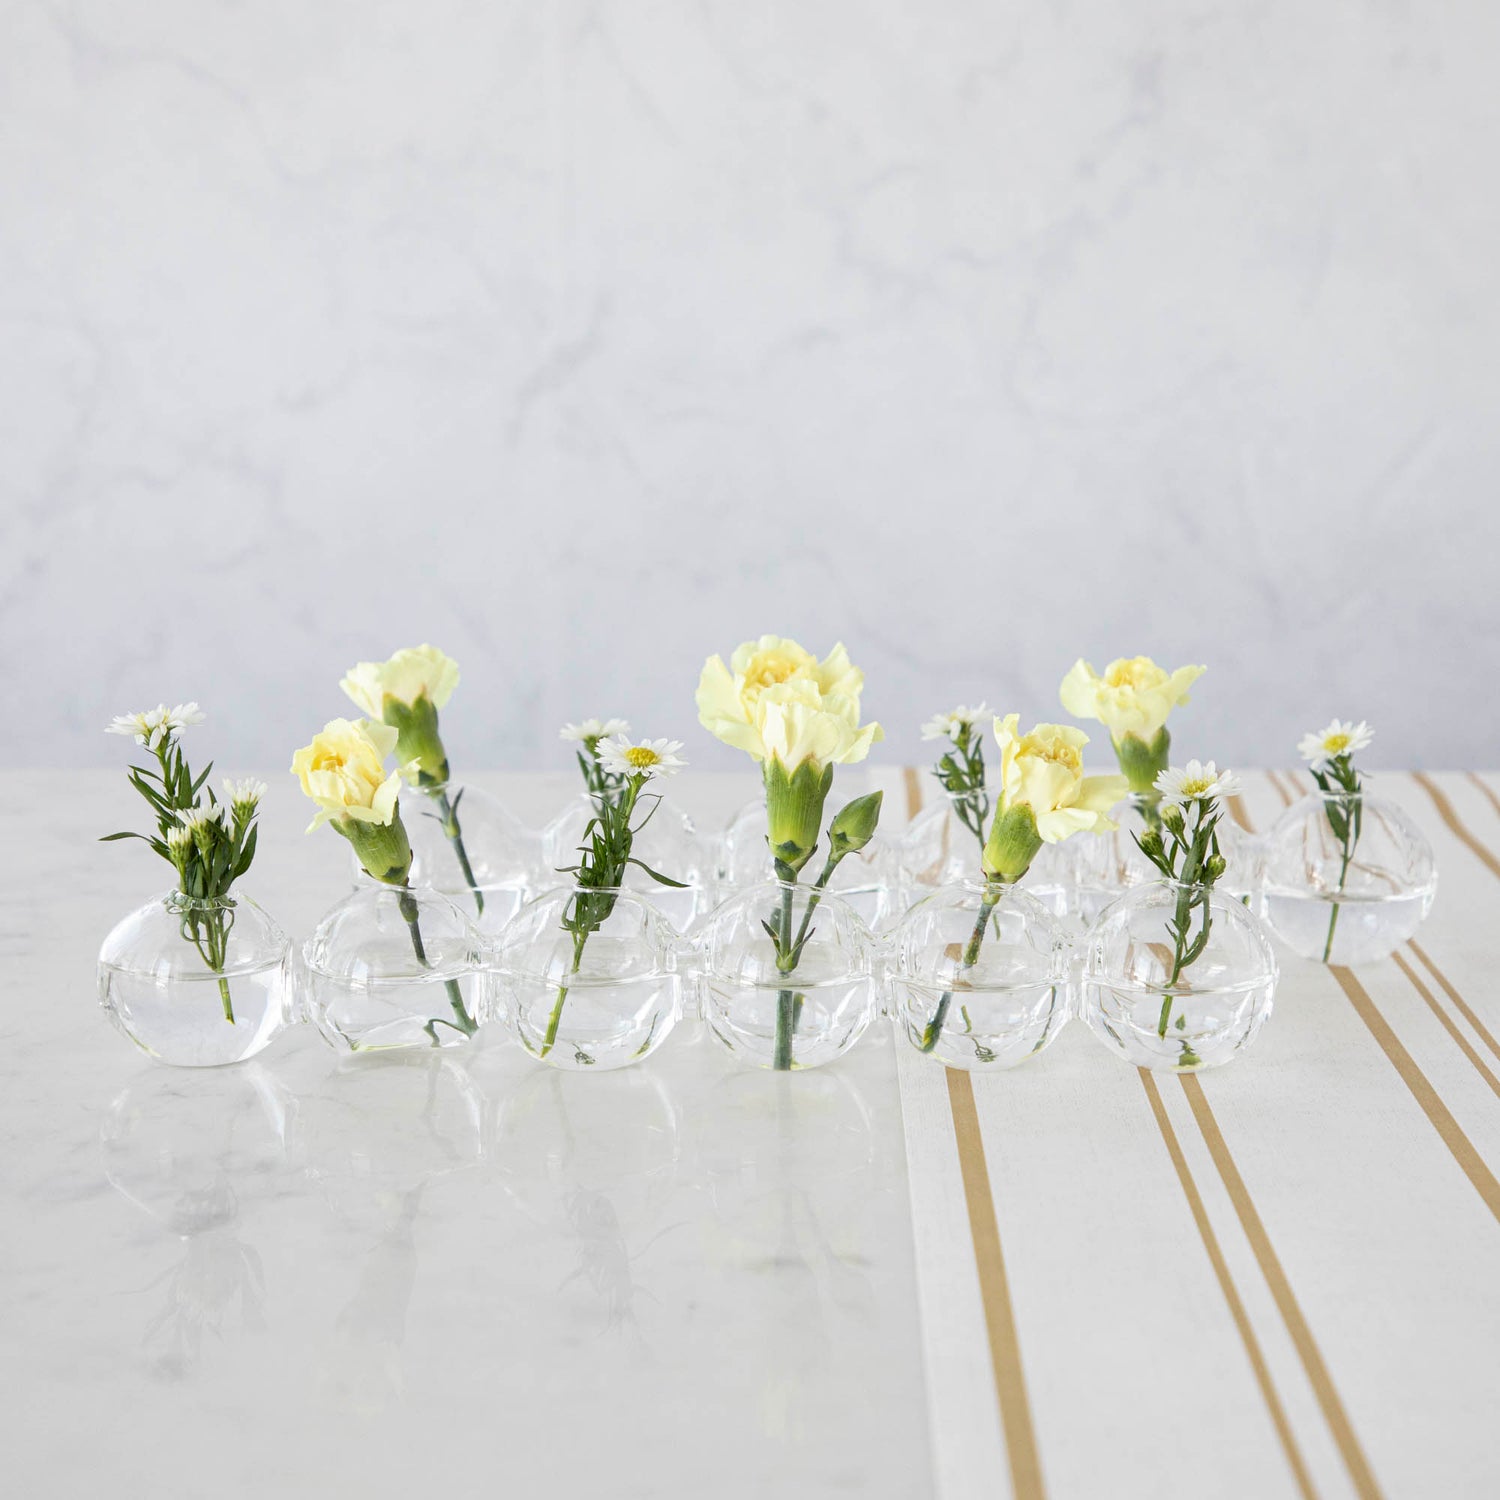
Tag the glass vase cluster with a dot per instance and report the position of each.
(197, 983)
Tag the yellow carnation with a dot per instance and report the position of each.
(1043, 770)
(777, 701)
(343, 771)
(1134, 696)
(412, 673)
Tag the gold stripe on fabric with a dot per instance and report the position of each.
(1484, 787)
(1448, 1025)
(913, 779)
(1452, 992)
(1238, 813)
(1281, 1289)
(1458, 1144)
(1454, 822)
(994, 1290)
(1227, 1286)
(1287, 798)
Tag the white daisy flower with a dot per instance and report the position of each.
(142, 727)
(1340, 738)
(1196, 782)
(246, 793)
(649, 758)
(950, 726)
(180, 715)
(179, 841)
(594, 729)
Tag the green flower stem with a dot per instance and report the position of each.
(555, 1019)
(616, 838)
(208, 932)
(462, 1021)
(993, 891)
(456, 838)
(789, 952)
(1333, 919)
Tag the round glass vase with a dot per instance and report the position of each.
(393, 967)
(587, 978)
(1103, 865)
(800, 1011)
(1158, 1013)
(869, 881)
(197, 983)
(1350, 904)
(668, 841)
(980, 976)
(488, 868)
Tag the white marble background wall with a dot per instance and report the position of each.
(585, 338)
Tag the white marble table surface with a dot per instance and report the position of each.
(445, 1275)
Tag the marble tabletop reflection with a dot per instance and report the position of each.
(438, 1273)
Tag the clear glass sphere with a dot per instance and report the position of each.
(504, 856)
(1105, 864)
(393, 967)
(1347, 912)
(801, 1017)
(869, 881)
(600, 993)
(158, 985)
(1205, 1014)
(669, 842)
(977, 981)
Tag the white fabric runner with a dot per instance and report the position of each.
(1281, 1278)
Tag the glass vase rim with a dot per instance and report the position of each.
(179, 900)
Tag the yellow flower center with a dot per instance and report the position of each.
(642, 756)
(1138, 672)
(1058, 751)
(1197, 786)
(768, 671)
(1336, 744)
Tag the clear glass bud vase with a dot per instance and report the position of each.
(668, 841)
(1170, 1003)
(1352, 897)
(467, 845)
(980, 976)
(588, 978)
(797, 1008)
(393, 967)
(868, 880)
(197, 983)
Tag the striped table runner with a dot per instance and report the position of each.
(1281, 1278)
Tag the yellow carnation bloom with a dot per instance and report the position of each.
(343, 771)
(412, 673)
(1044, 771)
(1134, 696)
(777, 701)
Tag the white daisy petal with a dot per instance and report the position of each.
(1196, 782)
(949, 726)
(594, 729)
(650, 758)
(1340, 738)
